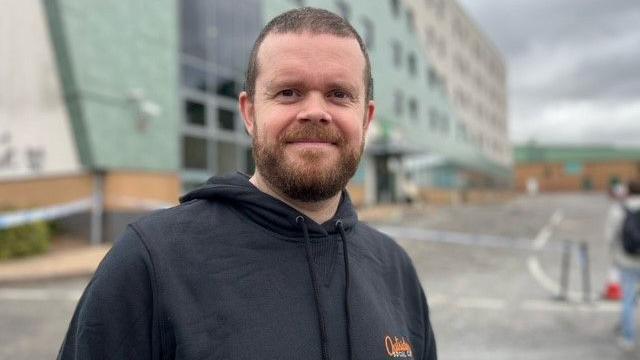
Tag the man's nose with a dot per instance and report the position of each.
(315, 108)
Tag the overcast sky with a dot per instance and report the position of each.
(574, 67)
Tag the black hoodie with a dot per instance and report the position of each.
(233, 273)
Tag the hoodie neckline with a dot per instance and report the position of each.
(267, 211)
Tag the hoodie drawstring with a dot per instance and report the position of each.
(347, 306)
(316, 289)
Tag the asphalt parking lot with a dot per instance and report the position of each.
(491, 273)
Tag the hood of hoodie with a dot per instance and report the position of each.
(267, 211)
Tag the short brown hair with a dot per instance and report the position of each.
(315, 21)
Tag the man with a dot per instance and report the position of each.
(275, 266)
(628, 264)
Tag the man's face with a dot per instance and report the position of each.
(309, 115)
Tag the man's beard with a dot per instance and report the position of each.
(307, 182)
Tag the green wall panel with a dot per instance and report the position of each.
(108, 51)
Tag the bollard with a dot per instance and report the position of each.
(564, 270)
(584, 265)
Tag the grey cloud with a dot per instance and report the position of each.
(567, 51)
(516, 25)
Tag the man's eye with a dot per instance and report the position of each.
(287, 92)
(340, 94)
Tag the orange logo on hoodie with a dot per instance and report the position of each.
(398, 348)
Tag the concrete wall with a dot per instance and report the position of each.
(35, 134)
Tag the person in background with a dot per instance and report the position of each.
(628, 265)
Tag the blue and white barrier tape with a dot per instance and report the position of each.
(21, 217)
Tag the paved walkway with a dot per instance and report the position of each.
(63, 262)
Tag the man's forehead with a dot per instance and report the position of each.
(279, 52)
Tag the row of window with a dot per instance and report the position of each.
(211, 32)
(215, 156)
(438, 121)
(210, 81)
(484, 55)
(396, 10)
(195, 114)
(437, 44)
(215, 47)
(438, 7)
(464, 101)
(463, 67)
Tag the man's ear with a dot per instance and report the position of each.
(245, 104)
(369, 115)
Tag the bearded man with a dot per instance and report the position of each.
(276, 265)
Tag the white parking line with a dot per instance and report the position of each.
(533, 264)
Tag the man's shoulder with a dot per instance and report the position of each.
(180, 219)
(170, 215)
(382, 245)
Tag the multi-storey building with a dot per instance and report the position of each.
(470, 70)
(132, 103)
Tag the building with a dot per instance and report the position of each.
(129, 104)
(574, 168)
(471, 71)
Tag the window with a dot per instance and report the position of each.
(438, 121)
(249, 163)
(343, 9)
(462, 131)
(462, 98)
(193, 78)
(459, 30)
(461, 65)
(214, 47)
(413, 108)
(395, 7)
(442, 47)
(194, 153)
(195, 113)
(432, 78)
(397, 53)
(232, 28)
(223, 86)
(398, 104)
(368, 33)
(411, 62)
(433, 118)
(444, 123)
(226, 157)
(410, 20)
(193, 23)
(226, 119)
(429, 35)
